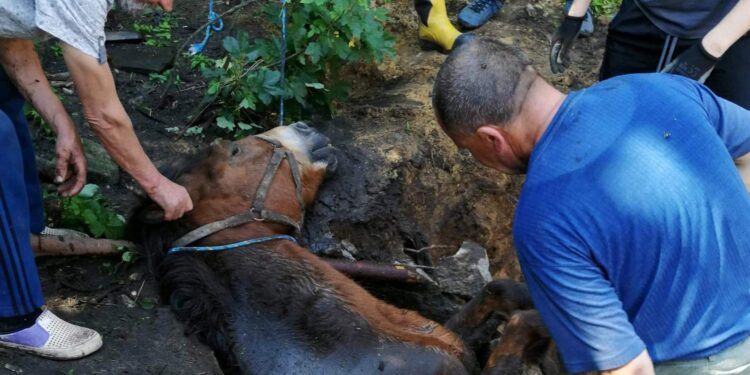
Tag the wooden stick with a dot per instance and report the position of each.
(375, 271)
(68, 245)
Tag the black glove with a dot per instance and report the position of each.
(562, 41)
(694, 63)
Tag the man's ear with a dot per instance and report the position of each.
(491, 134)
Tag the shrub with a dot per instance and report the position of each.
(322, 37)
(87, 212)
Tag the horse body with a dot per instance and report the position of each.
(275, 308)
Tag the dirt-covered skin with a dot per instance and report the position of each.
(400, 184)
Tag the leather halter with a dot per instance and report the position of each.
(257, 211)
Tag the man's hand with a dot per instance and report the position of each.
(562, 42)
(70, 172)
(640, 365)
(172, 198)
(695, 63)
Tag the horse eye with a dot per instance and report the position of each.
(235, 150)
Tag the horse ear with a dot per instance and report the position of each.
(152, 214)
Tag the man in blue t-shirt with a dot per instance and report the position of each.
(632, 225)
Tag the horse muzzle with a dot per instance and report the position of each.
(320, 148)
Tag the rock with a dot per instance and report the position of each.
(465, 272)
(101, 168)
(532, 11)
(138, 58)
(123, 36)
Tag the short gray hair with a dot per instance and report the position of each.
(481, 82)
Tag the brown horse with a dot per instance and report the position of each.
(275, 308)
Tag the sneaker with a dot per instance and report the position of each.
(52, 337)
(587, 27)
(477, 12)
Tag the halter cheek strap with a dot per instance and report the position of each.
(257, 211)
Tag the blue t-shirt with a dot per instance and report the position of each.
(633, 225)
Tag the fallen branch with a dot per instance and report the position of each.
(69, 245)
(375, 271)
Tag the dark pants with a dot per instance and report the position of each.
(21, 210)
(635, 45)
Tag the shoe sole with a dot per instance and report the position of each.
(465, 27)
(80, 351)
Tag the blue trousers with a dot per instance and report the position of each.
(21, 209)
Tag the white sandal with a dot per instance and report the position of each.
(54, 338)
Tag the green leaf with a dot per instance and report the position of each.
(313, 50)
(225, 123)
(315, 85)
(88, 191)
(95, 226)
(128, 256)
(231, 45)
(147, 303)
(245, 126)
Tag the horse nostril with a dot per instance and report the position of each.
(302, 127)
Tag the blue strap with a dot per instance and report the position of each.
(216, 24)
(234, 245)
(283, 61)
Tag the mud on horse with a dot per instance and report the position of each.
(273, 307)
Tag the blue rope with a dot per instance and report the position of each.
(216, 24)
(234, 245)
(283, 61)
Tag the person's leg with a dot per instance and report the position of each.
(477, 12)
(435, 29)
(20, 291)
(24, 324)
(634, 44)
(730, 78)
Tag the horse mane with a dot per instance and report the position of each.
(156, 238)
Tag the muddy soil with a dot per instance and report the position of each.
(401, 185)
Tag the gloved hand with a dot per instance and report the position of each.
(562, 41)
(695, 63)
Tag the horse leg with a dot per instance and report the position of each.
(477, 321)
(525, 342)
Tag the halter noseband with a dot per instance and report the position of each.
(257, 211)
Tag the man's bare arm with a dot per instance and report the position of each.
(108, 119)
(578, 8)
(640, 365)
(733, 26)
(20, 61)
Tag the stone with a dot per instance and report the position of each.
(464, 273)
(101, 168)
(532, 11)
(139, 58)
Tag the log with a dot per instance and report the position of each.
(376, 271)
(72, 245)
